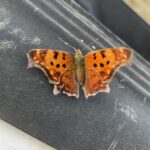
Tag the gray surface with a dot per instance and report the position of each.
(119, 120)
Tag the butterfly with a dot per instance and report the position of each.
(93, 72)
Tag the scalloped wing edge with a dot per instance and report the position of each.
(107, 90)
(56, 92)
(32, 64)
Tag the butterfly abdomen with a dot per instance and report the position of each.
(80, 71)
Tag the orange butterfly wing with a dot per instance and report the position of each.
(100, 67)
(58, 66)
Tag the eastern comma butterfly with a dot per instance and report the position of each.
(93, 72)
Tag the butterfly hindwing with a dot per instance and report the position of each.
(71, 86)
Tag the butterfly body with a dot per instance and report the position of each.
(79, 66)
(93, 71)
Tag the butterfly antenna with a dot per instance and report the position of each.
(66, 43)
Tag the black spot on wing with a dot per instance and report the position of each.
(64, 65)
(101, 65)
(58, 65)
(94, 55)
(103, 54)
(51, 63)
(94, 65)
(55, 54)
(64, 56)
(108, 62)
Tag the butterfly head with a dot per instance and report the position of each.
(78, 56)
(78, 53)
